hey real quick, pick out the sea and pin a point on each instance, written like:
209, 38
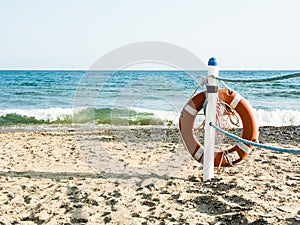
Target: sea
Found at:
135, 98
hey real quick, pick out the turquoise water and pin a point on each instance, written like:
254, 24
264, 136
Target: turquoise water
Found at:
132, 97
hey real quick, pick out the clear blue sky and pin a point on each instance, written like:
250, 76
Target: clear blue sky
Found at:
70, 34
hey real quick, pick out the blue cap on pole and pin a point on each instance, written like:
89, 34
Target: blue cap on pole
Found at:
212, 62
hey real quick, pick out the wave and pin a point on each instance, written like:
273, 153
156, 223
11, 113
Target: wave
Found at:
130, 116
69, 116
36, 116
277, 117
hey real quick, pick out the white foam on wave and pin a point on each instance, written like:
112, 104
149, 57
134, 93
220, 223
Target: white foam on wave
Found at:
163, 115
50, 114
277, 117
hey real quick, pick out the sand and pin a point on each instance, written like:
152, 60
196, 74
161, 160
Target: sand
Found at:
142, 176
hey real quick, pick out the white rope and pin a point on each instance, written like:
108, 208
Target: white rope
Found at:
225, 85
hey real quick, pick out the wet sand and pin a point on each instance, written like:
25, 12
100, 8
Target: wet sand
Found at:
142, 176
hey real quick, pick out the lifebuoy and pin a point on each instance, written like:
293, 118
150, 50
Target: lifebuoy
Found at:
236, 102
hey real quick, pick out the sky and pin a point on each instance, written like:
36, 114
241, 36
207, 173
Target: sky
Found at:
71, 34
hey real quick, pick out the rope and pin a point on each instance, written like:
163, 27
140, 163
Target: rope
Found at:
201, 84
203, 80
289, 150
225, 85
283, 77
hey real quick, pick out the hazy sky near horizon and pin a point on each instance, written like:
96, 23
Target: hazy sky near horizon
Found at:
73, 34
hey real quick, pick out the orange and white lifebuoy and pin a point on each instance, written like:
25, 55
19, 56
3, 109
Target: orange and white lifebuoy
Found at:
236, 102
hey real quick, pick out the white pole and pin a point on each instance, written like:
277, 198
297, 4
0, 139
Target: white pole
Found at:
209, 136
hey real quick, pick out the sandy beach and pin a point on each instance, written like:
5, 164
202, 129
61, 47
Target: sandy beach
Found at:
142, 176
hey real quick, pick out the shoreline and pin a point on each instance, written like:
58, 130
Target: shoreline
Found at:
142, 176
267, 134
89, 126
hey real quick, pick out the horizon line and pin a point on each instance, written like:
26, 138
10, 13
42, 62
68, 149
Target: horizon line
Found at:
146, 69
